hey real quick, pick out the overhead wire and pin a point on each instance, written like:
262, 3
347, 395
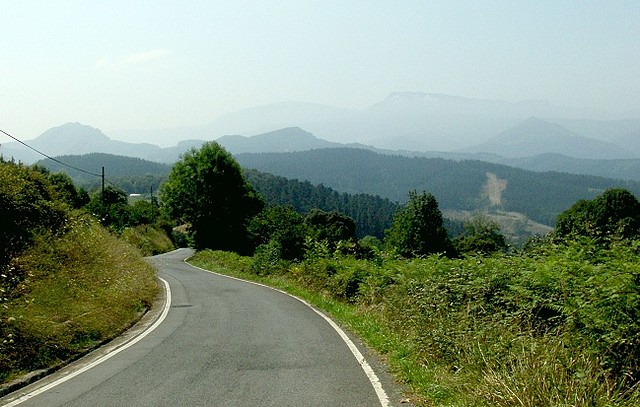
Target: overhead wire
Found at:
57, 160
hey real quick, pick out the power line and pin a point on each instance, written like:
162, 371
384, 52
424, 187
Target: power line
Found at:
63, 163
52, 158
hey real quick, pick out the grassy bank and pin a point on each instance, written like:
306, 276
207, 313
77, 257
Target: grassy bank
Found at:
150, 240
67, 292
555, 326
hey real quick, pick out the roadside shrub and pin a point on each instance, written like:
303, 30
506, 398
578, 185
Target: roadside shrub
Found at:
267, 259
26, 206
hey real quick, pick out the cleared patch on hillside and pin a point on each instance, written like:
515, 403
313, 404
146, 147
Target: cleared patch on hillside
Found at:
493, 189
516, 227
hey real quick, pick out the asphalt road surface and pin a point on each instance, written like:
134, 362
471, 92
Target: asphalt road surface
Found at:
220, 342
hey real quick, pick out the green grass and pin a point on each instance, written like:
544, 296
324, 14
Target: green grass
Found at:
555, 326
148, 239
76, 289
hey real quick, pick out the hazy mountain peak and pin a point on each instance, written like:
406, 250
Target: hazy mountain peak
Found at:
287, 132
534, 136
72, 132
285, 139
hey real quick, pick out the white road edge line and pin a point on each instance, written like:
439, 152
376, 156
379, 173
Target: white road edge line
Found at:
109, 355
368, 370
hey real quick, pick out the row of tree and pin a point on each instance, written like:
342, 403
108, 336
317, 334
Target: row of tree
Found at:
372, 214
208, 191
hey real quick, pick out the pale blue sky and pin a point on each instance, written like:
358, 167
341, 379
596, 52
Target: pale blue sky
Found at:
154, 64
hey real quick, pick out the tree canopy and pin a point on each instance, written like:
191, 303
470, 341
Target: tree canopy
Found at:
481, 236
207, 190
614, 213
418, 228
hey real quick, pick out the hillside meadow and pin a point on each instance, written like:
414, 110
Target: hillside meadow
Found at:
555, 325
66, 283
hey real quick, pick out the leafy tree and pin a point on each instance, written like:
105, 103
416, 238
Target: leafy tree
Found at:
418, 229
207, 190
283, 228
65, 189
143, 212
481, 235
111, 207
331, 226
27, 203
614, 213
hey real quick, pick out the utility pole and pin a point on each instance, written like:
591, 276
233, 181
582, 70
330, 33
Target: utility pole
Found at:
103, 183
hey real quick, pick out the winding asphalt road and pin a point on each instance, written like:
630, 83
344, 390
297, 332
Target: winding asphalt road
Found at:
221, 342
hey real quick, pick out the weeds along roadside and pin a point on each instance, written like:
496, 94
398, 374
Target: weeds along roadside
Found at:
555, 326
70, 291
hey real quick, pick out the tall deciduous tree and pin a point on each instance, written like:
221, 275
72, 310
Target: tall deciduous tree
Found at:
418, 228
614, 213
207, 190
282, 227
481, 235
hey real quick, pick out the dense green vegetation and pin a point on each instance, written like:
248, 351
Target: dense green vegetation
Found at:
542, 196
552, 323
66, 283
206, 189
371, 214
130, 174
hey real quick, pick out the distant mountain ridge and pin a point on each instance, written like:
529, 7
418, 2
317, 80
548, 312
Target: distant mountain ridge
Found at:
535, 136
413, 121
76, 138
283, 140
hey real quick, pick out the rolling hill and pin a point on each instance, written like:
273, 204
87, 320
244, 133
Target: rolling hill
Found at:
460, 185
372, 214
535, 136
367, 185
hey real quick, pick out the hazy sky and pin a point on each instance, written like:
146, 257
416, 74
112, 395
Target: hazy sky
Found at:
152, 64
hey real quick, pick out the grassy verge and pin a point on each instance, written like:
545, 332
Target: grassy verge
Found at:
74, 289
148, 239
557, 326
367, 324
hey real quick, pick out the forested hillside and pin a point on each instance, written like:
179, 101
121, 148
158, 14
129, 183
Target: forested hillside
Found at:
372, 214
132, 175
464, 185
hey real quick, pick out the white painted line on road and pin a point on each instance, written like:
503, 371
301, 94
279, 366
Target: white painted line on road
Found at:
109, 355
368, 370
373, 378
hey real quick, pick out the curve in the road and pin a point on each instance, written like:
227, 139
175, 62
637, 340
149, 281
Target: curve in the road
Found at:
218, 342
368, 370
